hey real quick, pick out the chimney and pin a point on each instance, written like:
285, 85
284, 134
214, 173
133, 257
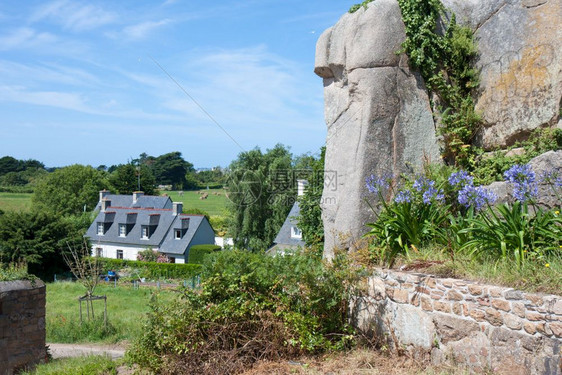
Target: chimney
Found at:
301, 187
137, 195
178, 207
103, 193
105, 204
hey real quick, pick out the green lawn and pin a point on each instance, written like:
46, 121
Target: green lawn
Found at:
126, 310
15, 201
214, 205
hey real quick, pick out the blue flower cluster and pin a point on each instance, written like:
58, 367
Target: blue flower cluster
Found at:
376, 184
429, 191
403, 196
522, 179
476, 197
470, 195
551, 178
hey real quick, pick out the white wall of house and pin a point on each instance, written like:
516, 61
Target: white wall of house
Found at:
109, 250
130, 252
222, 241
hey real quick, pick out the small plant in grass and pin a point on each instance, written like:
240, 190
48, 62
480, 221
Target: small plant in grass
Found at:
15, 271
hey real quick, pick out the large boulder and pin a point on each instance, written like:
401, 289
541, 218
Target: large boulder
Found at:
520, 62
378, 112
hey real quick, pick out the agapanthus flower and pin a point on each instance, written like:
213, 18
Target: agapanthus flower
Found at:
551, 178
432, 194
403, 196
523, 180
428, 190
460, 179
376, 184
476, 197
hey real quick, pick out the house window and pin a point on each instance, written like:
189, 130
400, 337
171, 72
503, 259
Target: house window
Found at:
100, 229
144, 232
99, 252
119, 254
177, 235
172, 259
122, 230
296, 232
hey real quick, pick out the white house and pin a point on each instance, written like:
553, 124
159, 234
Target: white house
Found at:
127, 224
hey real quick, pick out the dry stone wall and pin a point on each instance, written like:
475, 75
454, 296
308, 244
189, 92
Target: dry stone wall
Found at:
22, 325
483, 327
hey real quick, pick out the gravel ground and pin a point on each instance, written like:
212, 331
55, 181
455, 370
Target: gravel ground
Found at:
75, 350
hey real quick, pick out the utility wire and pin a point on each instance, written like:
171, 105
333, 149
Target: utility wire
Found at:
195, 101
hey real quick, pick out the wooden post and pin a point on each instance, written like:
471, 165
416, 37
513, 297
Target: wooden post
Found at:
80, 301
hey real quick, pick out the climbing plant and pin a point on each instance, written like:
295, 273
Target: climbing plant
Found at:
443, 53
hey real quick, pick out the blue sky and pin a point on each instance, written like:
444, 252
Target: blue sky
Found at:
80, 81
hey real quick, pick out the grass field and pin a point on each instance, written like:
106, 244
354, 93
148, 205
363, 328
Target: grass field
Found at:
15, 201
126, 309
214, 205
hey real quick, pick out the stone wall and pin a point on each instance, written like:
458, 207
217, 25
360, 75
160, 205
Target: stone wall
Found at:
22, 325
448, 320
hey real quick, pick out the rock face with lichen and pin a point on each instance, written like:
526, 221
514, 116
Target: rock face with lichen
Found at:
378, 112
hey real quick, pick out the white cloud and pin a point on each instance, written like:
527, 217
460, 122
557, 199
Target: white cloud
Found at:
73, 16
33, 74
72, 101
25, 37
140, 30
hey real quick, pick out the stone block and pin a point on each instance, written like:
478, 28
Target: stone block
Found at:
452, 328
513, 322
457, 308
535, 299
534, 316
501, 304
518, 308
544, 329
426, 303
442, 306
453, 295
448, 283
400, 296
415, 300
420, 289
495, 292
475, 290
556, 328
477, 315
430, 282
530, 328
494, 317
556, 307
513, 294
436, 294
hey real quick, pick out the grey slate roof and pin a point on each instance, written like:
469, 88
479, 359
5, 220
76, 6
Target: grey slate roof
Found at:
284, 235
162, 237
144, 201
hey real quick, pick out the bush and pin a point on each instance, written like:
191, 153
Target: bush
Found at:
153, 270
250, 307
197, 253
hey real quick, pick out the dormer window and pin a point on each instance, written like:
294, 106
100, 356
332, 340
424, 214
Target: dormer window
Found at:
122, 230
177, 234
101, 229
144, 232
296, 232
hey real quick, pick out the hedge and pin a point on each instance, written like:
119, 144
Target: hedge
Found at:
198, 252
153, 270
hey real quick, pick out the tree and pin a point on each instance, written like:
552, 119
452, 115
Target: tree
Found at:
67, 191
310, 218
9, 164
170, 169
125, 179
261, 193
39, 239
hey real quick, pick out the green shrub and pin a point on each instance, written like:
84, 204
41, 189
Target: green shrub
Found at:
250, 306
197, 253
153, 270
12, 272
